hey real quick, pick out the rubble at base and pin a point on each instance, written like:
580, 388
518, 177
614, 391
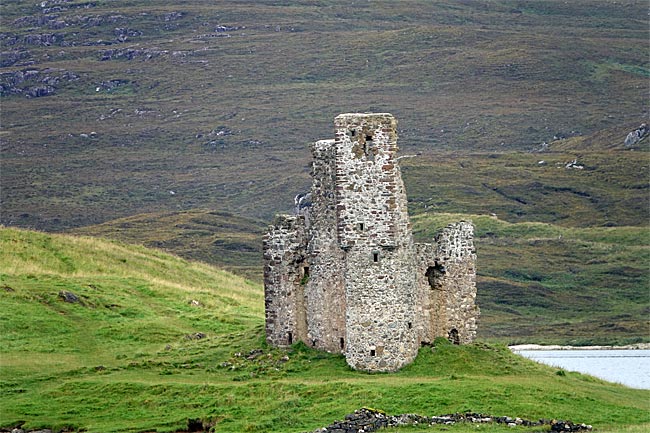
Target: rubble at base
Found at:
367, 420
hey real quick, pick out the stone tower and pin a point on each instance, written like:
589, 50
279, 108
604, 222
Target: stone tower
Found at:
344, 275
374, 233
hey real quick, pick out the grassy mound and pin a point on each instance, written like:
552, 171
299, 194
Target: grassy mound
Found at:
104, 336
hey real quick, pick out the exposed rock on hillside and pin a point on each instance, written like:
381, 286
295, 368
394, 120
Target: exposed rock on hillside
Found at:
34, 83
9, 58
56, 22
637, 135
130, 54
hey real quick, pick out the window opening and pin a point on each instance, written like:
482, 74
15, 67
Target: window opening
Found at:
342, 342
454, 337
410, 325
375, 257
369, 149
290, 338
372, 352
305, 275
434, 273
361, 226
353, 132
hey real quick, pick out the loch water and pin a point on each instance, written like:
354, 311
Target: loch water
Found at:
628, 367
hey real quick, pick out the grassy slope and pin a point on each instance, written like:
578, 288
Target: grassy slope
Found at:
610, 190
231, 242
120, 361
495, 76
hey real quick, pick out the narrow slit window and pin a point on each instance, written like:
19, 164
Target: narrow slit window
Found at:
290, 337
361, 227
342, 342
375, 257
410, 325
372, 352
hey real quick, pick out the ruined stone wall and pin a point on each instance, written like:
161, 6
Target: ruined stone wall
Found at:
373, 231
428, 308
325, 290
285, 253
447, 284
344, 275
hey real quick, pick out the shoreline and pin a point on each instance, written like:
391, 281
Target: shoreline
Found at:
522, 347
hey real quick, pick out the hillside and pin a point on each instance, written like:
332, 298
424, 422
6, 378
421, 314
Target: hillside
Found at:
537, 282
231, 242
103, 336
116, 108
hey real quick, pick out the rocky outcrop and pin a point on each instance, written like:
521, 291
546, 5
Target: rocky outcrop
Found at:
34, 83
130, 54
9, 58
637, 135
69, 297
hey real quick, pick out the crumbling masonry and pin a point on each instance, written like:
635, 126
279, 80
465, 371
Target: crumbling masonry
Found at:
344, 275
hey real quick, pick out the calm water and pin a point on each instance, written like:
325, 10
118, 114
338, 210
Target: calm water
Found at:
629, 367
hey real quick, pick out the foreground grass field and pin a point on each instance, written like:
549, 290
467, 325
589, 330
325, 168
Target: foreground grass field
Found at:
103, 336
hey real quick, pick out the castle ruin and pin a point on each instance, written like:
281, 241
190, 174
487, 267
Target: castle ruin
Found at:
343, 273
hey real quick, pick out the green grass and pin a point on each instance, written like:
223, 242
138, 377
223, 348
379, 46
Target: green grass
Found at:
231, 242
477, 87
123, 359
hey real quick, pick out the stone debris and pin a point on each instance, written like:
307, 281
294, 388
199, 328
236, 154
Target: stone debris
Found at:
637, 135
568, 426
69, 297
367, 420
574, 165
195, 336
112, 85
